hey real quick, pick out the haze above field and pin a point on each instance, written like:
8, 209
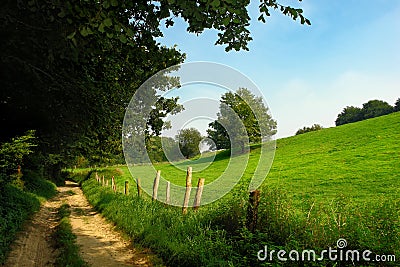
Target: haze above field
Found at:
308, 74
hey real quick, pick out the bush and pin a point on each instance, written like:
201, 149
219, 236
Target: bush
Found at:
37, 185
315, 127
12, 154
15, 207
371, 109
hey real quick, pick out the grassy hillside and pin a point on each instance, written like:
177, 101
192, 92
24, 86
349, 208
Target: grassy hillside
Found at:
336, 183
359, 160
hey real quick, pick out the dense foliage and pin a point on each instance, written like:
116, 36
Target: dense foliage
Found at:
371, 109
69, 68
314, 127
397, 105
243, 118
12, 155
163, 149
189, 141
17, 205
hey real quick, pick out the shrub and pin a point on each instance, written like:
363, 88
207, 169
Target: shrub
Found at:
315, 127
15, 207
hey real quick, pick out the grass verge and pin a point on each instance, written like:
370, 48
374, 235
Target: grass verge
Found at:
17, 205
216, 234
65, 241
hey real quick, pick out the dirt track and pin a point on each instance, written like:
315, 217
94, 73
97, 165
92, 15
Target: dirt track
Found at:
100, 244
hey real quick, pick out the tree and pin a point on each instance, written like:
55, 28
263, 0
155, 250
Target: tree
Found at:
243, 118
189, 140
348, 115
12, 155
397, 105
72, 91
69, 68
315, 127
160, 149
376, 108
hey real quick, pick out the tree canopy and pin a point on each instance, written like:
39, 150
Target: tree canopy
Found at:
371, 109
243, 118
189, 142
69, 68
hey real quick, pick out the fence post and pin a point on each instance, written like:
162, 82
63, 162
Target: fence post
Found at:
155, 185
188, 188
199, 192
167, 195
139, 189
126, 190
252, 210
113, 184
97, 177
106, 182
102, 183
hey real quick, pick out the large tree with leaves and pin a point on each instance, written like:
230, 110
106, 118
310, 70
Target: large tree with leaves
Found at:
189, 142
69, 68
376, 108
243, 118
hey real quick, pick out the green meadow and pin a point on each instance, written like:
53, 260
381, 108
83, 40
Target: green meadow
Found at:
340, 182
360, 161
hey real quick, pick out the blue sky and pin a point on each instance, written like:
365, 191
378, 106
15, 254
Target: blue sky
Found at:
308, 74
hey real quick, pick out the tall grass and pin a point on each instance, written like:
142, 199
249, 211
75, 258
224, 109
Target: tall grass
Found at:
17, 205
334, 183
216, 234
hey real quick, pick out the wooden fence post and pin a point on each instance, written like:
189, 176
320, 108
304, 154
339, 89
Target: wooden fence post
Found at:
97, 177
126, 190
102, 183
188, 188
167, 195
252, 210
106, 182
114, 185
155, 185
199, 192
139, 189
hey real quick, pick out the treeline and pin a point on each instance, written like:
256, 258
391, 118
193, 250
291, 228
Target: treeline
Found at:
70, 68
371, 109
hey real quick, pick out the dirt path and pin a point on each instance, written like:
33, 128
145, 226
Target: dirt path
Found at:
100, 244
33, 246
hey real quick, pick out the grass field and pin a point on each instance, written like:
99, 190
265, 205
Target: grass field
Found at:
340, 182
360, 161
